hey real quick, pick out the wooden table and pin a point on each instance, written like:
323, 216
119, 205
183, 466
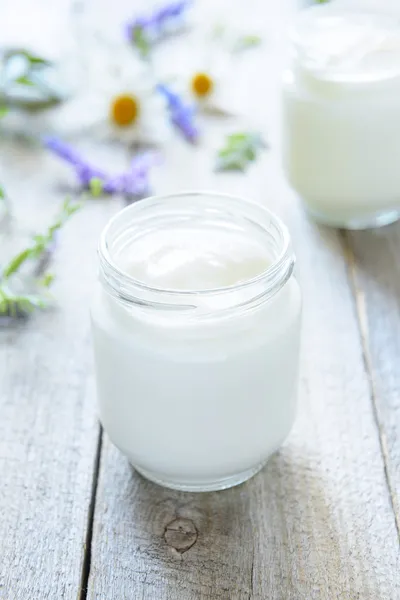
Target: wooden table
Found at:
322, 520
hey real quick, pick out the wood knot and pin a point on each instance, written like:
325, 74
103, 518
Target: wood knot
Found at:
181, 534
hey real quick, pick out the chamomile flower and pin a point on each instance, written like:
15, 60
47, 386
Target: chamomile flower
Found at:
134, 113
120, 102
208, 87
202, 85
204, 81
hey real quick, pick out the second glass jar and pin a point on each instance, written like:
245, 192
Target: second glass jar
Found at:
341, 115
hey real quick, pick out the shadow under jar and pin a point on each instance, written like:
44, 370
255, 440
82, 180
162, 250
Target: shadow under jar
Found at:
196, 329
341, 113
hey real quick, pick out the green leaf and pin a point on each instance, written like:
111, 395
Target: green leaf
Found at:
239, 151
250, 154
2, 194
15, 263
33, 59
218, 31
3, 110
30, 81
141, 42
96, 187
24, 80
20, 305
245, 42
46, 280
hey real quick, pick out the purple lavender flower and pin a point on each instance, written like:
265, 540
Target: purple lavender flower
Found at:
132, 183
84, 171
145, 30
181, 114
135, 182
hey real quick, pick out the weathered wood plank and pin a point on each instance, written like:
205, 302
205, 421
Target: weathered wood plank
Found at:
48, 430
375, 268
317, 523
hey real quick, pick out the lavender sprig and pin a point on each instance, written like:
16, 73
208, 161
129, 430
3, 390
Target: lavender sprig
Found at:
41, 244
133, 183
143, 31
15, 304
182, 115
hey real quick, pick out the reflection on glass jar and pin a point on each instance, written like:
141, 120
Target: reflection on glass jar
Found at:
196, 327
341, 115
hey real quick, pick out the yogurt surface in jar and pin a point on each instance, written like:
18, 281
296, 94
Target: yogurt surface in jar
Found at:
196, 327
192, 258
341, 114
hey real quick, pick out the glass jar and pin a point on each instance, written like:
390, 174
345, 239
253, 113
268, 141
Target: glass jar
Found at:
196, 387
341, 114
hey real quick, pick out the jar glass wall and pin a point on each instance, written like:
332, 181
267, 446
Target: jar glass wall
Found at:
197, 383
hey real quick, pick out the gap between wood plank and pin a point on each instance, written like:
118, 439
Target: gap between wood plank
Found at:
76, 9
87, 558
359, 301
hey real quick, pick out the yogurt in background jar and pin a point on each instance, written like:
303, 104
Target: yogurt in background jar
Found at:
341, 113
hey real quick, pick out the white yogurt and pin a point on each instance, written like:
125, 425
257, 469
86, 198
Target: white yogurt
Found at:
341, 115
194, 258
196, 335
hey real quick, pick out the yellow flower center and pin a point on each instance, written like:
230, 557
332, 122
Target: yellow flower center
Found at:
202, 85
124, 110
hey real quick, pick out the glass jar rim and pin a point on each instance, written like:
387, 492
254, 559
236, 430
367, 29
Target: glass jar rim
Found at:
127, 286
